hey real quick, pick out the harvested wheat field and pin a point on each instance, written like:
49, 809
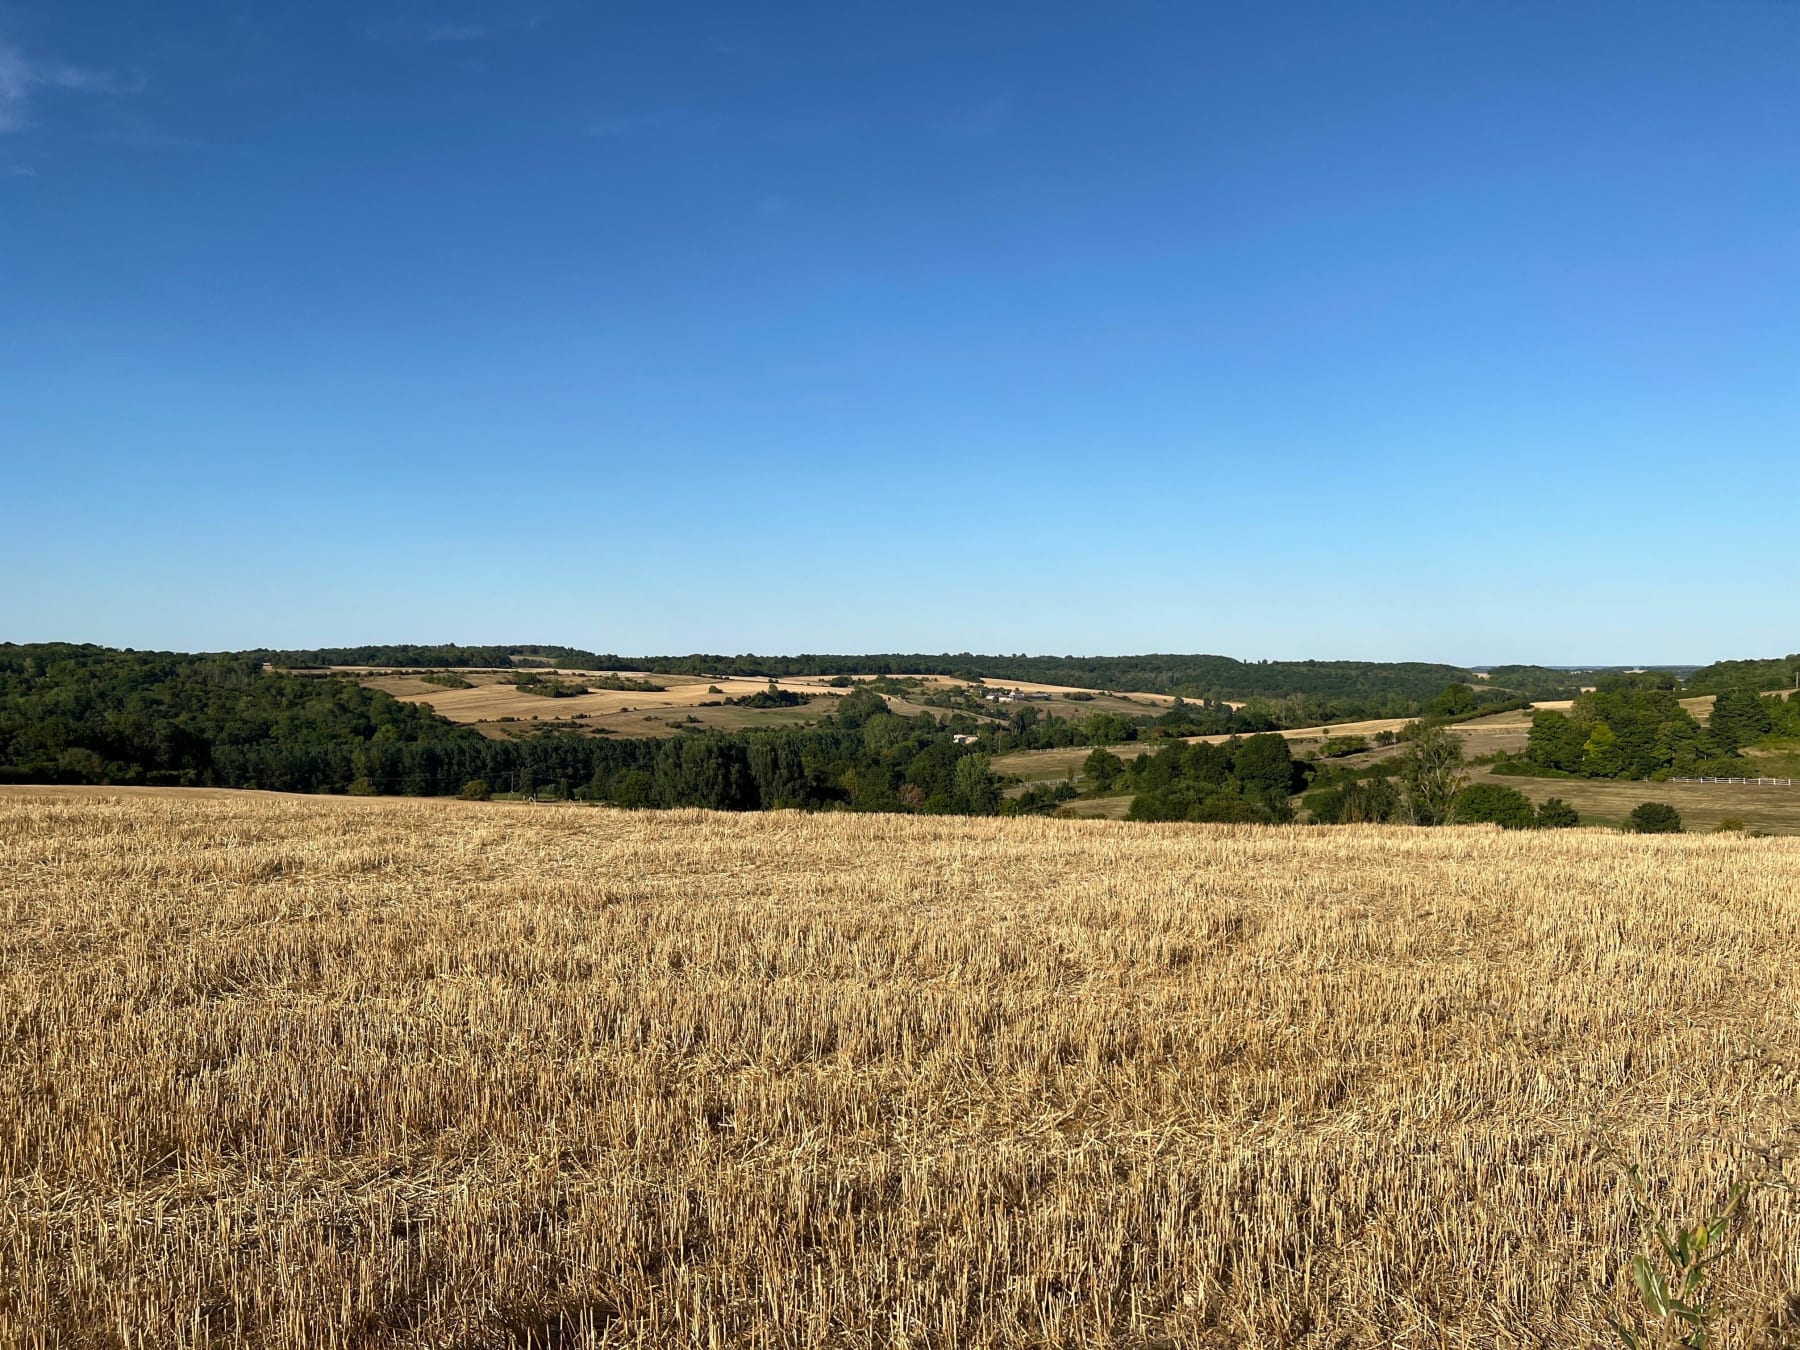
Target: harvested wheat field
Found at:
292, 1072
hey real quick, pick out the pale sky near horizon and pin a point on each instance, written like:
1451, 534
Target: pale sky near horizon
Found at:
1452, 330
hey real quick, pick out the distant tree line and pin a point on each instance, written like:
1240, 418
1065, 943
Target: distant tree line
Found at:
547, 686
446, 655
1337, 690
1342, 689
1781, 672
772, 697
1357, 688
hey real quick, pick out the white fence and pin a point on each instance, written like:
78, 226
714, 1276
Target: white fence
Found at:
1753, 782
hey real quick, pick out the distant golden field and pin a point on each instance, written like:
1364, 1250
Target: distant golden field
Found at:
497, 707
494, 704
306, 1073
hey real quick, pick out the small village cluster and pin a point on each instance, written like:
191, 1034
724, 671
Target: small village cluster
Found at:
1015, 696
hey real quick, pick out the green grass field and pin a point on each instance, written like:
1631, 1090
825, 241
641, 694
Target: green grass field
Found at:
1605, 801
1052, 766
1096, 808
1775, 758
728, 719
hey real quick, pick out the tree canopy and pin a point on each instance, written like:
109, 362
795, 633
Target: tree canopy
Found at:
1242, 780
1625, 729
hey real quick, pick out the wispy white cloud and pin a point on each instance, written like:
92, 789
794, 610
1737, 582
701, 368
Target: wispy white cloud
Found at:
614, 128
688, 126
497, 23
127, 128
22, 78
985, 119
15, 88
456, 32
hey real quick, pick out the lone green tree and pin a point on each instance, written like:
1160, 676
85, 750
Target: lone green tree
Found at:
1432, 773
1491, 803
976, 790
1654, 818
1264, 766
1456, 700
1556, 814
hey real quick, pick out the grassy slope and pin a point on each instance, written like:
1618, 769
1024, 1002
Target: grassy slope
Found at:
1774, 810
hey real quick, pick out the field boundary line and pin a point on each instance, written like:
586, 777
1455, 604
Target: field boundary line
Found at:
1752, 782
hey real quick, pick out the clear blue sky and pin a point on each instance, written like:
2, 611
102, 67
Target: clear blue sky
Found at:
1459, 329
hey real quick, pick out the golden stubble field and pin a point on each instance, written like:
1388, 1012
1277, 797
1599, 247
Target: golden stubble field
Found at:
295, 1072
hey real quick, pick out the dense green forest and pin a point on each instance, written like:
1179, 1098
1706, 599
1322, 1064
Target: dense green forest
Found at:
1633, 726
1241, 780
73, 714
88, 714
445, 655
1780, 672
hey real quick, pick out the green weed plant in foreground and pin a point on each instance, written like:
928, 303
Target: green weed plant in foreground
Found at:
1676, 1278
